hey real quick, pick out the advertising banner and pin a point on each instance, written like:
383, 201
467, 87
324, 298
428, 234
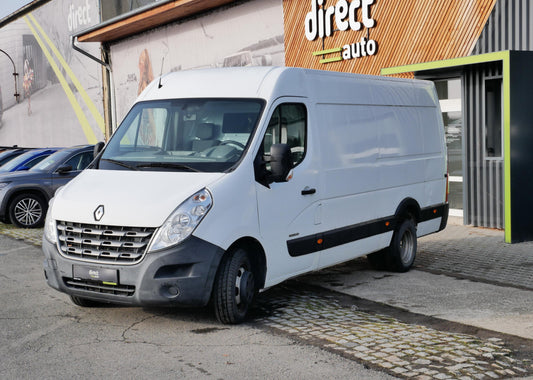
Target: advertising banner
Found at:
60, 102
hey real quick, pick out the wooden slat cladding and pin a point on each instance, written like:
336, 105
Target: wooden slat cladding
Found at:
406, 32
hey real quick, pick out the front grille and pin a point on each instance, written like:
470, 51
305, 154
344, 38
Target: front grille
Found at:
96, 287
103, 244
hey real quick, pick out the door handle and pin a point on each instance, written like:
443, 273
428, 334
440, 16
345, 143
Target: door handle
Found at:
308, 191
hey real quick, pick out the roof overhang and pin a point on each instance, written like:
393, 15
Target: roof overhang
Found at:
146, 18
22, 11
447, 64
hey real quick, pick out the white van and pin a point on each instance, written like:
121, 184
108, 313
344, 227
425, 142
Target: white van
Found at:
222, 182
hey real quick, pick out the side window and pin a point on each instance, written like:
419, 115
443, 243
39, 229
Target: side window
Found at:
288, 125
35, 161
80, 161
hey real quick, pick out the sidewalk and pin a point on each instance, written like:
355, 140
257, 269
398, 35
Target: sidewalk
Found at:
476, 253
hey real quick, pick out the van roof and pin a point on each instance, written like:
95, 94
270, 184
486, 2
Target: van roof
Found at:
268, 82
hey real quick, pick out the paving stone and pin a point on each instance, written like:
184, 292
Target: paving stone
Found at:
423, 377
399, 370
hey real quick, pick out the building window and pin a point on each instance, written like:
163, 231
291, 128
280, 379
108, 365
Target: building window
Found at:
493, 118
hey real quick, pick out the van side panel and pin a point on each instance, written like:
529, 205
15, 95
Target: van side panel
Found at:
382, 143
349, 142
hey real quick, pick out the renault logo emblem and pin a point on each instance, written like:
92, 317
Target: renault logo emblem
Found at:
99, 213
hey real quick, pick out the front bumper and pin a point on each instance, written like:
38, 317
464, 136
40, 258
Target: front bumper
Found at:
179, 276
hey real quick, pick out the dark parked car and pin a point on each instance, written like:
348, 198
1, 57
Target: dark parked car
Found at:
26, 160
9, 154
24, 195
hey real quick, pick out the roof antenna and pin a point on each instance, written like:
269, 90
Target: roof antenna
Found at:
161, 73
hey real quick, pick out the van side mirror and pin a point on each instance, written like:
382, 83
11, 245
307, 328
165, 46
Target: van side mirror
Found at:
280, 162
98, 147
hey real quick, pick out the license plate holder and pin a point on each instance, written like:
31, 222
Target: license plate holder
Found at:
91, 273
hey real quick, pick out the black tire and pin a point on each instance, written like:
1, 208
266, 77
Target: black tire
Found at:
402, 250
84, 302
27, 210
234, 288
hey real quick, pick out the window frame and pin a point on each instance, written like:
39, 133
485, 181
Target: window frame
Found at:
306, 128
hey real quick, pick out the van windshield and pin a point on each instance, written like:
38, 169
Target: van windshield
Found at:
206, 135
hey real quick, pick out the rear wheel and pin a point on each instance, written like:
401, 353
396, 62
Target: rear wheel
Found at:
234, 288
27, 210
402, 251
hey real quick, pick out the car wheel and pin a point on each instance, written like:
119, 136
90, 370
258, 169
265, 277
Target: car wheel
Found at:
402, 251
27, 210
234, 288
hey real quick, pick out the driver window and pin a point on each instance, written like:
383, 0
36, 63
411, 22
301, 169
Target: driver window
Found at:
288, 125
80, 161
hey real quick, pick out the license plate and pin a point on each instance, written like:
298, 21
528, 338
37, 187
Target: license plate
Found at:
103, 275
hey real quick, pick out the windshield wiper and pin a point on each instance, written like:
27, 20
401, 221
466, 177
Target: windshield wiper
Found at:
120, 163
169, 165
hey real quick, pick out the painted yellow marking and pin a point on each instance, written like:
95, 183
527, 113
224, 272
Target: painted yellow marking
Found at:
89, 134
92, 108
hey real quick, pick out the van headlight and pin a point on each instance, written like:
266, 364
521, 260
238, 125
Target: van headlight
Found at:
50, 231
183, 221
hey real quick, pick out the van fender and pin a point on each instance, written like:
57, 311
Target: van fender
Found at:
256, 254
408, 208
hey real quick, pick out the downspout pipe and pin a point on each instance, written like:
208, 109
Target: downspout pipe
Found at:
74, 41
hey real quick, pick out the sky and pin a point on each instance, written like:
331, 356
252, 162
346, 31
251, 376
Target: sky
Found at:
9, 6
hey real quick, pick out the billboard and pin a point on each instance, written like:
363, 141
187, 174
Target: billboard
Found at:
61, 100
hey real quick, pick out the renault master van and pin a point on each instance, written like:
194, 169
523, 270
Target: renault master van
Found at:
220, 183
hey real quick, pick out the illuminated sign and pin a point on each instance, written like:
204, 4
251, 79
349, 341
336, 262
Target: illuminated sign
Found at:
322, 22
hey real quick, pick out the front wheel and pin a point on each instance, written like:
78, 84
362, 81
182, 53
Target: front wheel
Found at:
402, 251
234, 288
27, 210
84, 302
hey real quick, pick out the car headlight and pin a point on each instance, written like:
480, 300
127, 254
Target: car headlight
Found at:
50, 231
183, 221
3, 184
